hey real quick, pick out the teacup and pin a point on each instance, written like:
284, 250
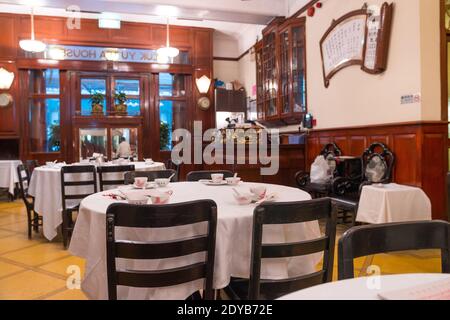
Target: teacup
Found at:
217, 177
140, 182
161, 197
259, 192
243, 198
162, 182
233, 181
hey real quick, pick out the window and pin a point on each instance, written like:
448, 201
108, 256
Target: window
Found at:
109, 87
44, 111
131, 88
88, 87
172, 107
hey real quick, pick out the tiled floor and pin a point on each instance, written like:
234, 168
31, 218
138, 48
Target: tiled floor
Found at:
36, 269
32, 269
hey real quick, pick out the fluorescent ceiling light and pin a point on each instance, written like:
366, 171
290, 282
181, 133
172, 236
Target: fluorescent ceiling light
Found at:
167, 11
109, 20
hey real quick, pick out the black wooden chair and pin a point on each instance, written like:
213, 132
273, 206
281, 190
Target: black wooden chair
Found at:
74, 197
151, 175
151, 216
383, 238
174, 165
282, 214
317, 190
31, 165
34, 220
377, 165
104, 171
206, 175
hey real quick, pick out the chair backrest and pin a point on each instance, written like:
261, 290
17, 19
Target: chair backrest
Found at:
151, 175
31, 165
69, 179
378, 163
383, 238
200, 175
153, 216
174, 165
331, 149
104, 171
289, 213
24, 182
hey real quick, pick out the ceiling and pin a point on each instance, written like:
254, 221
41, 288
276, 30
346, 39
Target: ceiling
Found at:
234, 20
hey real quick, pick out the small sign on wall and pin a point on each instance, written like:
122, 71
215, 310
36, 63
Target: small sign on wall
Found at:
411, 98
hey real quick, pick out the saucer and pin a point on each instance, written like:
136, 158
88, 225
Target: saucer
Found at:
149, 185
211, 183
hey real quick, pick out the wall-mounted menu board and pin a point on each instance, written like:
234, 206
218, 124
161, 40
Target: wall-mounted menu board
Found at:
358, 38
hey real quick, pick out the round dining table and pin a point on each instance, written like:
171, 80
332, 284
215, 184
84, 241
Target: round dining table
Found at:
45, 187
365, 288
233, 242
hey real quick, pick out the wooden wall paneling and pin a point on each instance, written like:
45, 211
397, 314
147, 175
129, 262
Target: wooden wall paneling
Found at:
420, 149
8, 39
405, 148
131, 33
342, 143
357, 145
9, 114
434, 171
89, 32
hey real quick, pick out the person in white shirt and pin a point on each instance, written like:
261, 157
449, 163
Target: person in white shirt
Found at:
124, 149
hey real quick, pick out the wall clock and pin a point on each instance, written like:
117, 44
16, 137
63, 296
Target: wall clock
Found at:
5, 99
204, 103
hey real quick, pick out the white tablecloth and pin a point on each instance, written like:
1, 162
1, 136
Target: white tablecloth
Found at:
393, 203
8, 174
365, 288
234, 232
45, 187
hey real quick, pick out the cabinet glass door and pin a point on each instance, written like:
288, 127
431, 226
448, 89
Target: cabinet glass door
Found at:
298, 69
270, 75
285, 73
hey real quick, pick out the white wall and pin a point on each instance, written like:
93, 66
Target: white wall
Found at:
355, 98
247, 73
226, 71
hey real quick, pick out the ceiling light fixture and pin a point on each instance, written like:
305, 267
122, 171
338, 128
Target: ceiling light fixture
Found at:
168, 51
32, 45
6, 79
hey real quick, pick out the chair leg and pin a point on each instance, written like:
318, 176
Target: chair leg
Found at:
30, 223
65, 228
36, 222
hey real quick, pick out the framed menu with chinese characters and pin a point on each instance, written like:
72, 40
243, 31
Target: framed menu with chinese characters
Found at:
343, 44
378, 37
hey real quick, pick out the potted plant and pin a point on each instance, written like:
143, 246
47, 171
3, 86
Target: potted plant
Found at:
120, 106
97, 99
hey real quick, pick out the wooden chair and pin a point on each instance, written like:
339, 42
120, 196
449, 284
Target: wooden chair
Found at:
282, 214
383, 238
346, 192
69, 209
174, 165
151, 175
151, 216
317, 190
103, 171
31, 165
201, 175
34, 220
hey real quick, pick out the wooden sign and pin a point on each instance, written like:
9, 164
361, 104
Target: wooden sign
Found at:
378, 39
357, 38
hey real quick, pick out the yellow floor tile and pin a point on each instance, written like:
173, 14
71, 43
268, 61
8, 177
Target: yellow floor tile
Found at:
7, 269
38, 255
28, 285
6, 233
15, 242
60, 266
68, 295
